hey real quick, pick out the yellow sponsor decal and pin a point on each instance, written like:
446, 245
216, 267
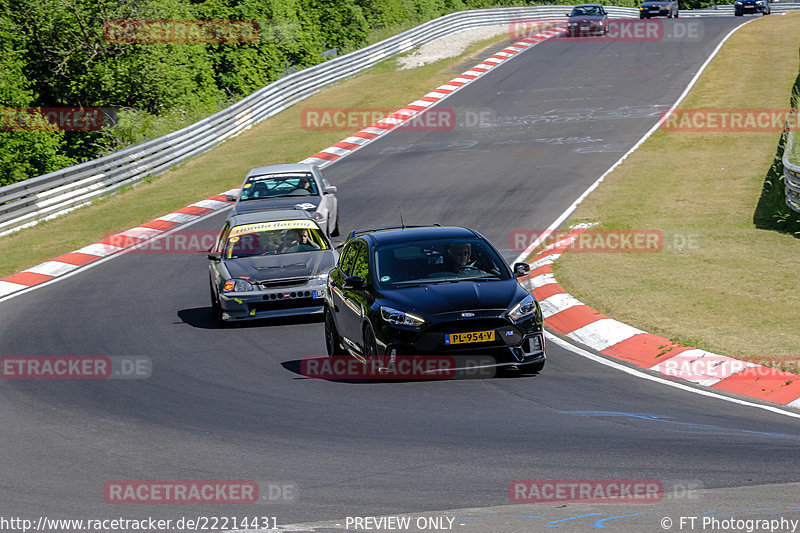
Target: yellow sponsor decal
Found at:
271, 226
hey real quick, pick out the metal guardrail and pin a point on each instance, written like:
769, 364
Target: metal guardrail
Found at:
45, 197
791, 174
31, 201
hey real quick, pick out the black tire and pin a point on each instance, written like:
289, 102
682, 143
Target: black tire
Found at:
333, 343
737, 14
768, 11
677, 14
215, 307
335, 232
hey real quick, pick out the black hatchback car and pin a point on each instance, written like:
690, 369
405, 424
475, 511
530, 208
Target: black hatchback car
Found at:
431, 290
740, 7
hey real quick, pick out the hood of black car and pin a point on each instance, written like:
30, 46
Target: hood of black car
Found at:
439, 298
309, 203
269, 267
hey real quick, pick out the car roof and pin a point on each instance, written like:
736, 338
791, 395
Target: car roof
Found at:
268, 215
589, 5
276, 169
395, 236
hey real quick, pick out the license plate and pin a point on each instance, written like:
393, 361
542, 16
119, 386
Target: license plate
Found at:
472, 336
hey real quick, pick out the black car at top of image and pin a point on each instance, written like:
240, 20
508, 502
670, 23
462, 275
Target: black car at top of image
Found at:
431, 290
269, 264
659, 8
740, 7
587, 20
288, 186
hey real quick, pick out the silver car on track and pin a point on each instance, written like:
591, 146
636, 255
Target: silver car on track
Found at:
290, 186
269, 264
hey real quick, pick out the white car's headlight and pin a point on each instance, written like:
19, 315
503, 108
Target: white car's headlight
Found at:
237, 285
523, 309
400, 318
318, 216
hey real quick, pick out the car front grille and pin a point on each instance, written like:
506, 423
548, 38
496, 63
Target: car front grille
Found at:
286, 282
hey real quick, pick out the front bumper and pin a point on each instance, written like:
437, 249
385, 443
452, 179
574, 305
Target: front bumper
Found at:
585, 30
286, 301
514, 344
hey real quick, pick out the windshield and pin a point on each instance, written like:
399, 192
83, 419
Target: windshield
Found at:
284, 184
586, 11
274, 238
438, 261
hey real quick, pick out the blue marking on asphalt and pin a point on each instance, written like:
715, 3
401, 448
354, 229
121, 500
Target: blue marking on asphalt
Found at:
668, 420
601, 524
552, 524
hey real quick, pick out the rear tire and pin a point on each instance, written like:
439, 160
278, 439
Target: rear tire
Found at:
333, 343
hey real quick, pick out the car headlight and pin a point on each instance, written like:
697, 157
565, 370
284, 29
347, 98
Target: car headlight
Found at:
320, 279
238, 285
318, 216
400, 318
523, 309
738, 3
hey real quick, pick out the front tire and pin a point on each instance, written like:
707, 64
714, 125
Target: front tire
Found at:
335, 232
216, 308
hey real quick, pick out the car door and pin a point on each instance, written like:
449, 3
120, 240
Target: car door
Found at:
359, 300
341, 311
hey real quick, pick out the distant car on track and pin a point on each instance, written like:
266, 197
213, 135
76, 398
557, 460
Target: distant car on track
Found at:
431, 291
269, 264
740, 7
587, 20
659, 8
290, 186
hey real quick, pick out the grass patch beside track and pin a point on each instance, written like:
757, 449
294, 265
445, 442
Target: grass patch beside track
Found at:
280, 139
735, 290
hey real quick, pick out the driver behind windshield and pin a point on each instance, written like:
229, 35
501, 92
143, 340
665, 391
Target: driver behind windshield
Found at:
458, 256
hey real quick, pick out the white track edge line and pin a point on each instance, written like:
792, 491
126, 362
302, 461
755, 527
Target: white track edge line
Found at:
546, 233
639, 373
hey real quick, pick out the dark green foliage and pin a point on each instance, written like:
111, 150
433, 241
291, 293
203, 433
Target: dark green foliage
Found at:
54, 54
772, 212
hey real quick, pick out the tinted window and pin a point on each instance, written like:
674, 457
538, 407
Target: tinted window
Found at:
275, 185
348, 256
274, 238
440, 260
361, 263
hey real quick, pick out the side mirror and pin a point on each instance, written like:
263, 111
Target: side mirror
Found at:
233, 196
521, 269
354, 283
330, 189
215, 256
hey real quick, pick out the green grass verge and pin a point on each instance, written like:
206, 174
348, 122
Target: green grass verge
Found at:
280, 139
735, 289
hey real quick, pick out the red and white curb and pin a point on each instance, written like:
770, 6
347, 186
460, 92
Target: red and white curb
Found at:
569, 317
131, 238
